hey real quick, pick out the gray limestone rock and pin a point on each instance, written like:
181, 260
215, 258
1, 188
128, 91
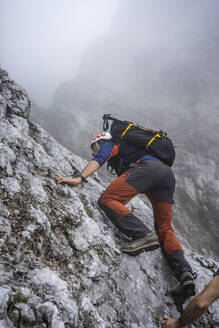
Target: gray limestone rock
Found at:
36, 189
5, 228
60, 261
40, 219
7, 155
11, 185
50, 314
6, 323
26, 314
5, 294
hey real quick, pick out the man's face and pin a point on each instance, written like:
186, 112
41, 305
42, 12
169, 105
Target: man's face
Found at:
95, 149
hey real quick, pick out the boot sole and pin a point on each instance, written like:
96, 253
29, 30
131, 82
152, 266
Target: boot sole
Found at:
145, 248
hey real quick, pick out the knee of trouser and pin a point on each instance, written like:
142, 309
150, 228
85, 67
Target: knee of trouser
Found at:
102, 201
105, 198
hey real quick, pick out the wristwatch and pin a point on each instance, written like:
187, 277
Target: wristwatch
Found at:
82, 178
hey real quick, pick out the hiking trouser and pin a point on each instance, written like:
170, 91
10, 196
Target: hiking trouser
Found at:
157, 182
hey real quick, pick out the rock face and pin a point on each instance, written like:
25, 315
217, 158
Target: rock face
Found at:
60, 262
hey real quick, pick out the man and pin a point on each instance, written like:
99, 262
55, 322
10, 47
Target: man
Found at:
139, 172
197, 306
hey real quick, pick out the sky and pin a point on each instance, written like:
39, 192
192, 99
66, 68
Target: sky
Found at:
42, 41
159, 54
169, 48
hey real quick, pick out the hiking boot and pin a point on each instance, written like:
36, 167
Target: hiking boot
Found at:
123, 236
187, 284
137, 246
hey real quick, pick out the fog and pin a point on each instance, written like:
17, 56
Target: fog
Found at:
160, 54
42, 41
164, 51
152, 62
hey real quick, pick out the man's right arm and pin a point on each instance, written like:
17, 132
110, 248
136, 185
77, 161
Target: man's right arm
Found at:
196, 307
91, 168
201, 302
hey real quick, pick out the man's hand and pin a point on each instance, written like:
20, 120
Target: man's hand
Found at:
61, 179
72, 182
170, 322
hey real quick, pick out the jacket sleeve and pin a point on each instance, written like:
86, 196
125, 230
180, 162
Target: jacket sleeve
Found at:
104, 153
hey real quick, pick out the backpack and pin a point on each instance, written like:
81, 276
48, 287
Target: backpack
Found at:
126, 155
137, 141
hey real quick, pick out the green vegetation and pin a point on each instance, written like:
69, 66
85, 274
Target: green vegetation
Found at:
88, 211
19, 298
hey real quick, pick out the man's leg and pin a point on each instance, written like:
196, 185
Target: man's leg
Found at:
112, 203
171, 246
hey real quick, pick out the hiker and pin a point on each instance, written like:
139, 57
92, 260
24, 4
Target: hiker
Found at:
139, 172
197, 306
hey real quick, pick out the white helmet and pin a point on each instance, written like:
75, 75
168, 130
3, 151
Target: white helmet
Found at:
101, 136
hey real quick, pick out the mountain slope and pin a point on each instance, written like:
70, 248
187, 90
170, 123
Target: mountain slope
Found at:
60, 261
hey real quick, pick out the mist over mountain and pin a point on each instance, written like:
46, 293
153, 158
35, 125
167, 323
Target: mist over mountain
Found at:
161, 54
158, 66
42, 41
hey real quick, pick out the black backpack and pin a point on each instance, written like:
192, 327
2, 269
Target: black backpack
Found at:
140, 140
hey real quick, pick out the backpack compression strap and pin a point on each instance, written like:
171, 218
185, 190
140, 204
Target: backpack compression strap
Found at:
124, 132
150, 142
160, 134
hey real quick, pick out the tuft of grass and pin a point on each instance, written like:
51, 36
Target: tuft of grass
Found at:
88, 211
19, 298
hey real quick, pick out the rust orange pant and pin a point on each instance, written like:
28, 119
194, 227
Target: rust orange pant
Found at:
157, 182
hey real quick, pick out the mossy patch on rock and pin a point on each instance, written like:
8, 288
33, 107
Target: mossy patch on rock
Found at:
88, 211
18, 298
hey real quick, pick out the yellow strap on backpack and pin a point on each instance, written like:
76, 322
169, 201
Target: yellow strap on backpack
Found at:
124, 132
154, 137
